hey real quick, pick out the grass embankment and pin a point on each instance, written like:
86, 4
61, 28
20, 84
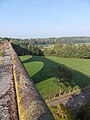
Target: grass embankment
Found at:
41, 70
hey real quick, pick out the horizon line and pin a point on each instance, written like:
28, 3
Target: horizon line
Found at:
43, 37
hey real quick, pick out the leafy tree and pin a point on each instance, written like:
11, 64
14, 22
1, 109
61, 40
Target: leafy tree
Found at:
25, 48
69, 50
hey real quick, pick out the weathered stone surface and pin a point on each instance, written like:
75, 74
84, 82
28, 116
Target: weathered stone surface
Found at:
7, 94
31, 105
14, 81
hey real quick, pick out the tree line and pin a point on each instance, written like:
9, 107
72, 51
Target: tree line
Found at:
26, 48
69, 50
52, 40
59, 50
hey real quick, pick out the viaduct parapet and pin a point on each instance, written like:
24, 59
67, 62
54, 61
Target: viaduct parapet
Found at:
19, 97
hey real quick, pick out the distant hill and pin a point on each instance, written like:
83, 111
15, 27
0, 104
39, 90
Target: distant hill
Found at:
52, 40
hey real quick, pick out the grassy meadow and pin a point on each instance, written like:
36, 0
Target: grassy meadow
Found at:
41, 69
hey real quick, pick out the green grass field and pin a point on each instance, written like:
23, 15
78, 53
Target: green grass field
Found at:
41, 70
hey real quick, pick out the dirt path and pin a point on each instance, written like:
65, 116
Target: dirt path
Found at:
7, 95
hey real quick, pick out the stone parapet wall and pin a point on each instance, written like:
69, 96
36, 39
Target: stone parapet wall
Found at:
31, 105
8, 106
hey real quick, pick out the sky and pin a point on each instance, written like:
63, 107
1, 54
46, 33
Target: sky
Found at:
44, 18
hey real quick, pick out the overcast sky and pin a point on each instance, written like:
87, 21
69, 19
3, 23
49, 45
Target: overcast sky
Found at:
44, 18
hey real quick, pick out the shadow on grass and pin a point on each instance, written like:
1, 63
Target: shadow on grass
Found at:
46, 72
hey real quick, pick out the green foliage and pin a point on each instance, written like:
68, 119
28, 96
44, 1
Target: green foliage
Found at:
48, 52
70, 50
25, 48
34, 49
52, 40
60, 112
66, 48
